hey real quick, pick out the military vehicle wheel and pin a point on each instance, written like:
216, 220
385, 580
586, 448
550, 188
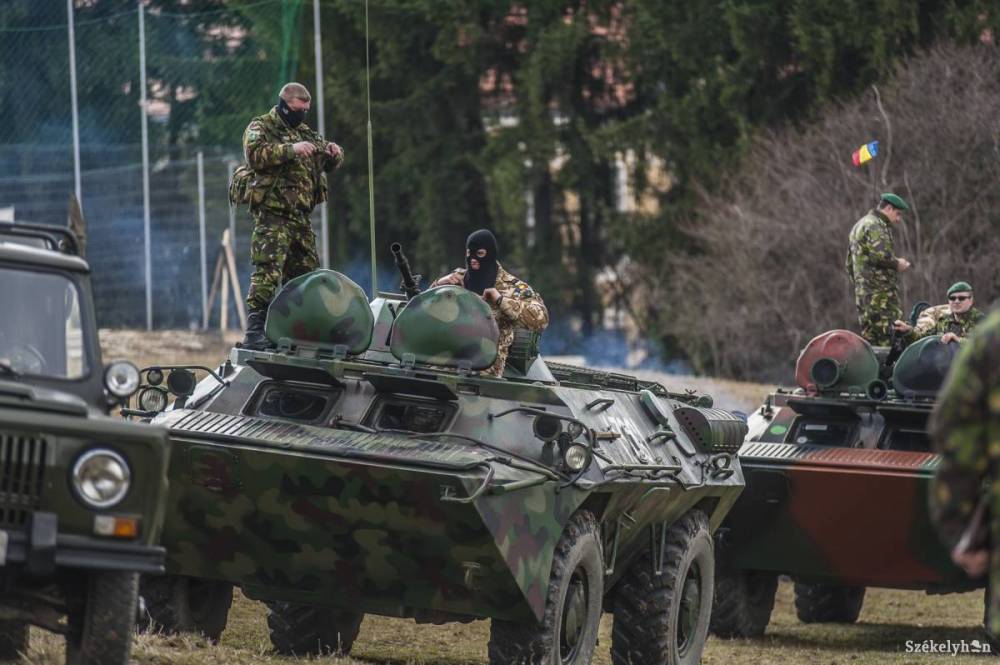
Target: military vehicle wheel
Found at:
13, 639
823, 603
303, 630
743, 604
567, 634
663, 619
99, 632
176, 604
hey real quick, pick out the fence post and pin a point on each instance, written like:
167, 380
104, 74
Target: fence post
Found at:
321, 126
201, 239
73, 104
145, 168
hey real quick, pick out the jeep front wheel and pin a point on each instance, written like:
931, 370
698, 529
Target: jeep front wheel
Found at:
176, 604
567, 634
99, 632
309, 630
825, 603
662, 619
744, 600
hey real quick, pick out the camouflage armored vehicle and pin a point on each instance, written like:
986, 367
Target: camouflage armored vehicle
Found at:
81, 494
837, 475
367, 465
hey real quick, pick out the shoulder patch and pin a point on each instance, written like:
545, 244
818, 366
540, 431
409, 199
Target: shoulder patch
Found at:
522, 290
252, 134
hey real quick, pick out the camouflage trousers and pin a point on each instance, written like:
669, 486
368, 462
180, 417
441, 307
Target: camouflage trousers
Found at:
877, 310
281, 249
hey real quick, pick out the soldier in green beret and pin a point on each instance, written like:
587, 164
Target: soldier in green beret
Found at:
874, 269
289, 163
952, 321
966, 429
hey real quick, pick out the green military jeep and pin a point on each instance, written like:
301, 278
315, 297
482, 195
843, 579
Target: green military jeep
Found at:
81, 494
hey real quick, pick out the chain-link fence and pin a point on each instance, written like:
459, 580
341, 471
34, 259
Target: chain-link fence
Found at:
209, 67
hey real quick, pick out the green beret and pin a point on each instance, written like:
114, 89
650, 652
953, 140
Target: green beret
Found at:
959, 287
895, 201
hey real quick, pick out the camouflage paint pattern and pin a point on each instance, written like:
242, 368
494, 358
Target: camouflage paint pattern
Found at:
281, 249
322, 308
838, 483
966, 430
521, 306
872, 268
851, 353
446, 326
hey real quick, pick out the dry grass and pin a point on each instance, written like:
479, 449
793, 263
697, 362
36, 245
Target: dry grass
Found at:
889, 619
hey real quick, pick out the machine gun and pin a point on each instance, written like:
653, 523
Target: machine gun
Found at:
411, 282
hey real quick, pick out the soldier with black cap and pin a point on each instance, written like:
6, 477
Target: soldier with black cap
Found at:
513, 302
874, 269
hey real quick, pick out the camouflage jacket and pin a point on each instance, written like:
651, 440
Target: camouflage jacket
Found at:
520, 306
870, 263
966, 430
284, 183
938, 320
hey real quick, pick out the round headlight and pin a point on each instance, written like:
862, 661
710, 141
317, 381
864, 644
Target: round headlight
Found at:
576, 457
154, 377
153, 399
574, 428
121, 378
101, 477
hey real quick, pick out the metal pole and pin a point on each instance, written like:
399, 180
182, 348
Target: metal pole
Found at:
145, 168
73, 104
324, 227
201, 240
232, 209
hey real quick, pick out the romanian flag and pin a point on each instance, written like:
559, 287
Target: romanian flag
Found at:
865, 153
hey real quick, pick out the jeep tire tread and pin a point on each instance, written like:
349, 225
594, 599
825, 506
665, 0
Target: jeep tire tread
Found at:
309, 630
744, 600
99, 632
176, 604
824, 603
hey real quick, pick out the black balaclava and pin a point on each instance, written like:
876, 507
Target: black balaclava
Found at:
478, 281
292, 118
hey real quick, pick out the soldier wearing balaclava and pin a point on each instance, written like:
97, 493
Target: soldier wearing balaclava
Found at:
514, 302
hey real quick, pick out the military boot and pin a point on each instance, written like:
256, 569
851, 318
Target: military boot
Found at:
254, 339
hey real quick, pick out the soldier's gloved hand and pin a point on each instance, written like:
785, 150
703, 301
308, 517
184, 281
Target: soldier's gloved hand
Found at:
901, 326
304, 148
902, 265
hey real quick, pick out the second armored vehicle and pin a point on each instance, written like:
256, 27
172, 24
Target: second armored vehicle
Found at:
837, 472
367, 465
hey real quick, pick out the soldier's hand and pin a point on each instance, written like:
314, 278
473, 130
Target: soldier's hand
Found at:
973, 563
491, 296
950, 337
450, 279
333, 149
901, 326
902, 265
304, 148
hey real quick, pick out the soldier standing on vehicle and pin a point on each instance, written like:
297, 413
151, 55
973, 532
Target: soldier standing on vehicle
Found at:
874, 269
289, 162
513, 302
952, 321
966, 430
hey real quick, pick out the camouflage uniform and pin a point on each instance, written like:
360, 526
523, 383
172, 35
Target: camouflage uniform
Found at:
872, 268
286, 188
938, 320
520, 306
966, 430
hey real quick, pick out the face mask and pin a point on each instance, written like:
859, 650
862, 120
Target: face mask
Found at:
485, 277
292, 118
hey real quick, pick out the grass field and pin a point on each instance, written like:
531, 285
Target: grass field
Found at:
890, 619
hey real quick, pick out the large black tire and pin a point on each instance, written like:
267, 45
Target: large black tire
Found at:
176, 604
744, 600
308, 630
663, 619
13, 639
824, 603
99, 632
567, 634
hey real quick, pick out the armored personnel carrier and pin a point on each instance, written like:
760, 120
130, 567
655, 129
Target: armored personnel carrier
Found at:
367, 465
837, 474
81, 493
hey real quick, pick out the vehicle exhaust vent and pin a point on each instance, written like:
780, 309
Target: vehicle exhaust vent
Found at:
22, 475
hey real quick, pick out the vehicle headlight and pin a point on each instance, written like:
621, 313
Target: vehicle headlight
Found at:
152, 399
576, 457
121, 378
101, 477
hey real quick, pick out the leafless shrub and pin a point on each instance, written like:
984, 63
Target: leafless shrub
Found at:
774, 236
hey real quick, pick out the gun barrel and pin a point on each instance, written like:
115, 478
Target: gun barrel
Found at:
410, 287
